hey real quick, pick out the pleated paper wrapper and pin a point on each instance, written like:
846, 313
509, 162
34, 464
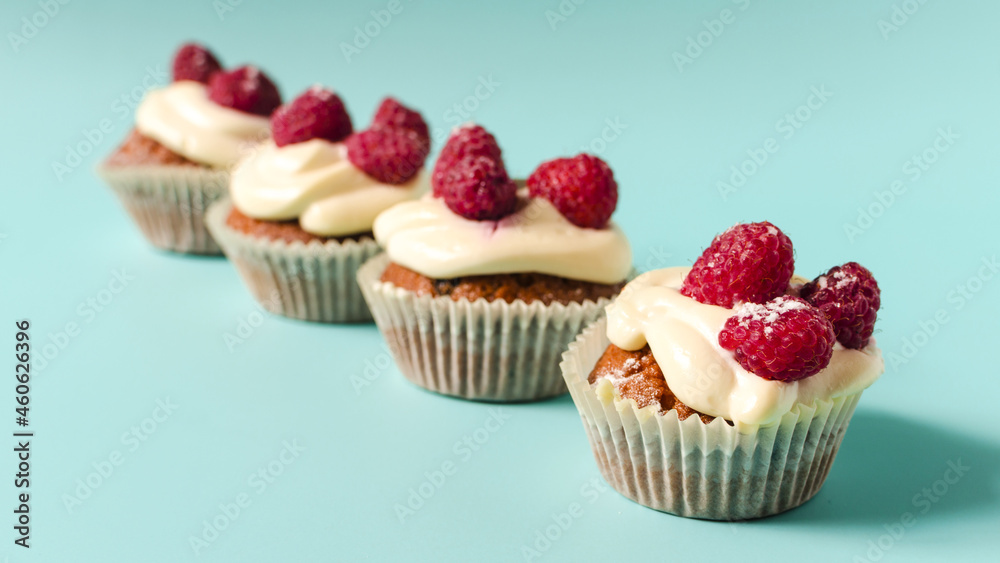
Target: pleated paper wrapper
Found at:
698, 470
478, 350
168, 203
312, 282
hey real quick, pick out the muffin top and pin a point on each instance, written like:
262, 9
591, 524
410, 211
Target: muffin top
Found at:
478, 221
738, 336
333, 180
208, 115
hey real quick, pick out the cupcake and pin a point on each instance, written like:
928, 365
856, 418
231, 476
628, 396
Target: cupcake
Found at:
187, 136
299, 220
723, 391
485, 281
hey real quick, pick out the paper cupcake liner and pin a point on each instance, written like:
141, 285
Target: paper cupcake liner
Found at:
168, 203
479, 350
698, 470
312, 282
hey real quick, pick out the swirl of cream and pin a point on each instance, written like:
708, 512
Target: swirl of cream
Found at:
427, 237
182, 118
314, 182
683, 335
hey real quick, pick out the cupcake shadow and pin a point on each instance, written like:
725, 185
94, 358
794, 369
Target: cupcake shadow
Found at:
889, 466
187, 256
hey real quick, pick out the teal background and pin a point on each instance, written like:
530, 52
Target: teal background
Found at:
555, 86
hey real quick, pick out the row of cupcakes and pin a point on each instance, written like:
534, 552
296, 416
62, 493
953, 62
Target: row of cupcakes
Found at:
484, 280
717, 391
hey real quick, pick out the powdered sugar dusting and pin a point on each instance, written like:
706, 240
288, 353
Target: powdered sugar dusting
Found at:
843, 278
769, 312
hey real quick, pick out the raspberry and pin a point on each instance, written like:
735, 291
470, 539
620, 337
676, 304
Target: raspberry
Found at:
478, 188
195, 62
849, 296
467, 140
317, 114
394, 114
582, 188
391, 155
751, 262
245, 89
785, 339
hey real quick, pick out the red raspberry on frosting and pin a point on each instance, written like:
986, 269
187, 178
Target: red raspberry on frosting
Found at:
582, 188
245, 89
750, 262
194, 62
391, 155
391, 113
317, 114
465, 141
849, 296
478, 188
785, 339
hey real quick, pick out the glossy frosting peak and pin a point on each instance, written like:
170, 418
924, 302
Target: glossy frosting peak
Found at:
182, 118
314, 182
427, 237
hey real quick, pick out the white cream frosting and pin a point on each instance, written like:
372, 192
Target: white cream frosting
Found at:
427, 237
182, 118
683, 336
314, 182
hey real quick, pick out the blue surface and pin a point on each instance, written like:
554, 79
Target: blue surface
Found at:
686, 123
